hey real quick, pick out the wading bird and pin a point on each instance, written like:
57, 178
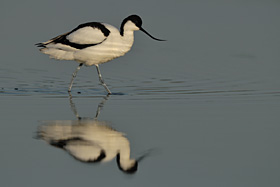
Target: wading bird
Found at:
94, 43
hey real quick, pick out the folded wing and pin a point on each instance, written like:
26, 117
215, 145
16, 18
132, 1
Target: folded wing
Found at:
83, 36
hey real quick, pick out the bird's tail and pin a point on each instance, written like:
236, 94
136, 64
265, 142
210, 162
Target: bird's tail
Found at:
41, 45
53, 40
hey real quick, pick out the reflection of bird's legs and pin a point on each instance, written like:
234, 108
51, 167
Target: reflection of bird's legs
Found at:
73, 107
73, 77
100, 106
101, 80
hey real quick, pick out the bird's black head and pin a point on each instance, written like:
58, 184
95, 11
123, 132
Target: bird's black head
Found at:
138, 23
135, 19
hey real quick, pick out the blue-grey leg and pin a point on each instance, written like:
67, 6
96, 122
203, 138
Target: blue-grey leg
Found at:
101, 80
73, 76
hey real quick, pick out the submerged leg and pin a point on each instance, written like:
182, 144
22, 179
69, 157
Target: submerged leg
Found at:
101, 80
73, 76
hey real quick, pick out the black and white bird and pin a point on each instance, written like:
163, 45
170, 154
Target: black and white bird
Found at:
94, 43
90, 141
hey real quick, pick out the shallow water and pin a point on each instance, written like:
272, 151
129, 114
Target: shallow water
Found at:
201, 109
223, 134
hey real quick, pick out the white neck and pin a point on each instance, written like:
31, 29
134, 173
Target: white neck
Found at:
127, 40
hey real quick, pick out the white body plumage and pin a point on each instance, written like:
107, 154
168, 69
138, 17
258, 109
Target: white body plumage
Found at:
89, 141
106, 48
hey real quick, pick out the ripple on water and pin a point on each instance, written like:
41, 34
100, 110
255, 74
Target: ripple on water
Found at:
203, 89
150, 88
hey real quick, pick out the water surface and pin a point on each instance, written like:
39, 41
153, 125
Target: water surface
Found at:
201, 109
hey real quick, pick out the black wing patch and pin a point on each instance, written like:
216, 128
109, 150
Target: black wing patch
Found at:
63, 40
98, 159
62, 143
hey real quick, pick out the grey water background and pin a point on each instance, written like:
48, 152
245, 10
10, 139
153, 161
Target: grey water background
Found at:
206, 101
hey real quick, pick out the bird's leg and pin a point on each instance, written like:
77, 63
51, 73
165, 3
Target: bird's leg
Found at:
73, 76
102, 81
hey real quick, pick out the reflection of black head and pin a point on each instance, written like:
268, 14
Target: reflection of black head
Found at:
130, 170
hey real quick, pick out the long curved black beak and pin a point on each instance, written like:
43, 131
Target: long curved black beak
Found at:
141, 29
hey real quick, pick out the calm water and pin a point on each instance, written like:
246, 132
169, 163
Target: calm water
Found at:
201, 109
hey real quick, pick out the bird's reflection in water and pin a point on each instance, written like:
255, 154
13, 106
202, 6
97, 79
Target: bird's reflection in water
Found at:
89, 141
